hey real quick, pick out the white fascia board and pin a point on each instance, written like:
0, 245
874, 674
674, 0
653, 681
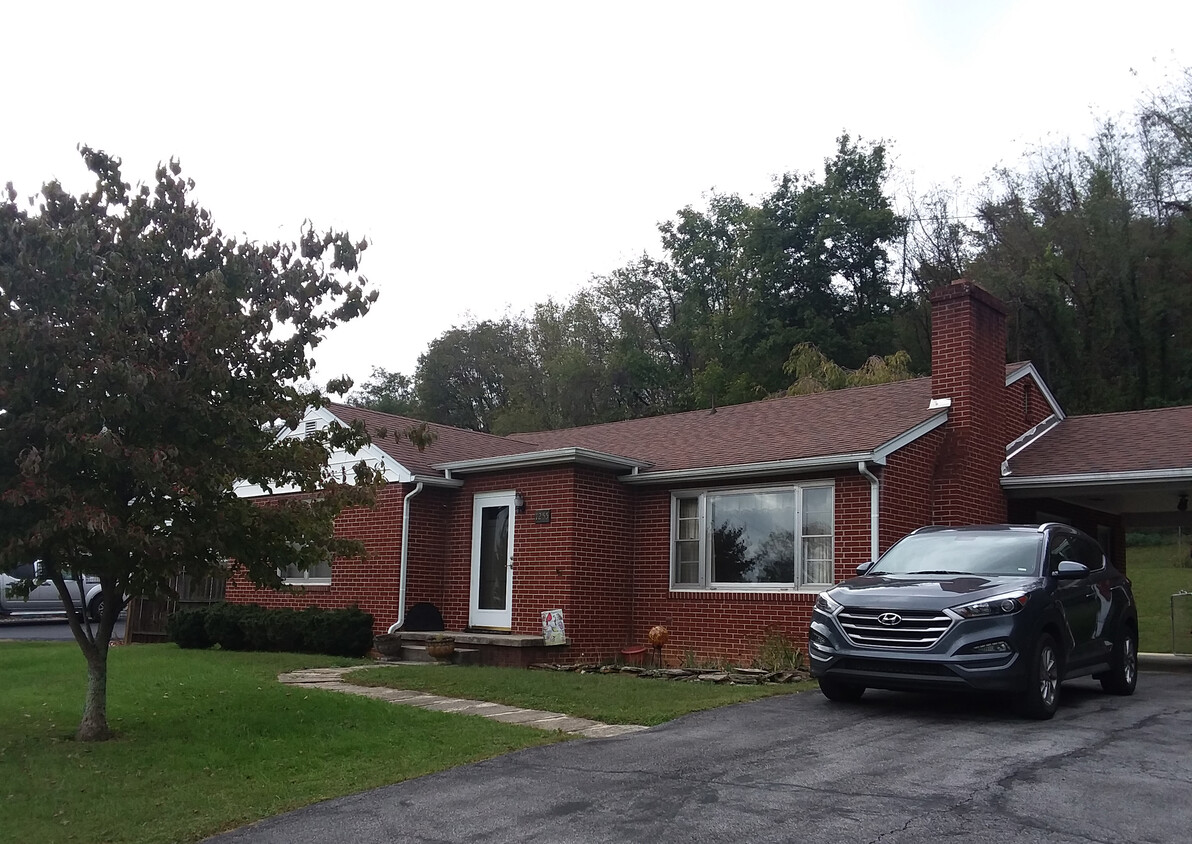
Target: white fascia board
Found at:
827, 463
889, 447
1100, 478
1029, 369
1031, 436
547, 457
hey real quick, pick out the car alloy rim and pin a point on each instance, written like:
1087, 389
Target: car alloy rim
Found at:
1130, 659
1048, 676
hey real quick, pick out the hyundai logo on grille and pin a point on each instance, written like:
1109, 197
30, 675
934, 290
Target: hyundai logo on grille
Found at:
890, 619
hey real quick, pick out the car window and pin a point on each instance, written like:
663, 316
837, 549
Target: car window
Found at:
963, 552
1090, 553
25, 571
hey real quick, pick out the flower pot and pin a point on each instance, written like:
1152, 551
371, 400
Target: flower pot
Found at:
441, 650
388, 645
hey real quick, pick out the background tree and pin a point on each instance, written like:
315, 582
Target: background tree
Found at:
146, 362
387, 392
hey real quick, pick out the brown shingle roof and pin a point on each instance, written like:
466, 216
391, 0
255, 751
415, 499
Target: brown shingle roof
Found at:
450, 443
838, 422
1135, 441
860, 419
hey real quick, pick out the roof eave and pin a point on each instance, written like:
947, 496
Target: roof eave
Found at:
546, 457
1028, 368
909, 436
826, 463
1097, 479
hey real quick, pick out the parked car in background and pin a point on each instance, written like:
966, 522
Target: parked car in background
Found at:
1000, 608
44, 598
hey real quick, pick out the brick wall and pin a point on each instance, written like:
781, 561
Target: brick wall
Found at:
371, 582
721, 624
968, 354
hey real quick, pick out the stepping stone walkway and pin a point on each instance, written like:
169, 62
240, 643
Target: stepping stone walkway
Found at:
335, 680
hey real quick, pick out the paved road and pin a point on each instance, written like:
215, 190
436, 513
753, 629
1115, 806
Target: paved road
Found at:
54, 628
894, 769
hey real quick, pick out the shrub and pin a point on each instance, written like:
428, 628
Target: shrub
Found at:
778, 653
188, 629
231, 626
346, 632
243, 627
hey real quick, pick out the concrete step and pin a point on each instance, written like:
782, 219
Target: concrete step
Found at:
416, 652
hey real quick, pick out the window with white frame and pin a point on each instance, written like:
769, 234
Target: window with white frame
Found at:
770, 537
315, 575
310, 575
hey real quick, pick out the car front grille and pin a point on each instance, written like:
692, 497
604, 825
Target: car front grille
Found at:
890, 666
913, 629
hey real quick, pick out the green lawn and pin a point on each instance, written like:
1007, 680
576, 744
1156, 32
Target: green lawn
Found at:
611, 698
208, 740
1157, 573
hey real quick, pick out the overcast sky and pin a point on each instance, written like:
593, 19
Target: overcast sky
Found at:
498, 153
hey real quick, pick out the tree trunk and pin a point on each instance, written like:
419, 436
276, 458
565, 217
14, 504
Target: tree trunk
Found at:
94, 726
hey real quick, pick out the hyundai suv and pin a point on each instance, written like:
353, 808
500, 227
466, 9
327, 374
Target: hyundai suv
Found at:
1005, 608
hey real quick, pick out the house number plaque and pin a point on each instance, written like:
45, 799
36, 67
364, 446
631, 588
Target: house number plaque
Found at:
542, 517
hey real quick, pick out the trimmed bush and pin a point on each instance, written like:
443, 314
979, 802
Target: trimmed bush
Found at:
243, 627
189, 629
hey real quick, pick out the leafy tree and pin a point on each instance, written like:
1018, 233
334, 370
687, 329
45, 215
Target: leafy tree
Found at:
815, 373
146, 362
387, 392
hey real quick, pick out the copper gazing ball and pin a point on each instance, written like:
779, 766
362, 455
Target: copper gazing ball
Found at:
658, 636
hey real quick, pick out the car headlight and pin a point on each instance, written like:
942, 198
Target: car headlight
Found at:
825, 604
998, 605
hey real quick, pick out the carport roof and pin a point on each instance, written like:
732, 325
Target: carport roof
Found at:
1142, 443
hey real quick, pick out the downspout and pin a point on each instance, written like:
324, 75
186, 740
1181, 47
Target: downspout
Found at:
873, 488
405, 557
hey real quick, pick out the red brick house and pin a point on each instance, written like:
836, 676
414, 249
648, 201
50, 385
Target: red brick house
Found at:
720, 524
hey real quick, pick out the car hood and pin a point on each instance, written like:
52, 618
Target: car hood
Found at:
926, 592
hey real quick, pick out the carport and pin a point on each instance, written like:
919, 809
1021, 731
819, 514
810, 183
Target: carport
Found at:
1106, 474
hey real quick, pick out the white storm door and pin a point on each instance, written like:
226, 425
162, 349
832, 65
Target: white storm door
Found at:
492, 561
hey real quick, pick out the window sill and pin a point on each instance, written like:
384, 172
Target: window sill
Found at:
309, 585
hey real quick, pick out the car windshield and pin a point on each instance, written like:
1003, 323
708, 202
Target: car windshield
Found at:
963, 552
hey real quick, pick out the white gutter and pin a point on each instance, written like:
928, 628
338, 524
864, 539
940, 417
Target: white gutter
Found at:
405, 557
1099, 478
873, 511
545, 457
772, 467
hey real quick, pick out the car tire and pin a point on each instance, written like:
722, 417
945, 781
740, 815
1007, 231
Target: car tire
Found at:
839, 691
1040, 694
1122, 677
95, 608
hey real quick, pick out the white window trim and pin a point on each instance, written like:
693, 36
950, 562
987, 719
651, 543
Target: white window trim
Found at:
306, 581
702, 494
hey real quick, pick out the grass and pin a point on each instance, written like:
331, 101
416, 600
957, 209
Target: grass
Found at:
1157, 573
611, 698
208, 740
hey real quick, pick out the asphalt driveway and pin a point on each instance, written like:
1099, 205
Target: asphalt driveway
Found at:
892, 768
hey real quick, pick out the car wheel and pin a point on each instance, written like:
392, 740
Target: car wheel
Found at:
95, 608
840, 691
1122, 677
1040, 695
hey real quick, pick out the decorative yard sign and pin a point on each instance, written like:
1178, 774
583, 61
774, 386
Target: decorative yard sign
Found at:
552, 628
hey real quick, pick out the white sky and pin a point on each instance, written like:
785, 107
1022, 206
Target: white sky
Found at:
497, 153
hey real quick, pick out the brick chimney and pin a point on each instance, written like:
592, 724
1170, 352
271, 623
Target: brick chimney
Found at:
968, 367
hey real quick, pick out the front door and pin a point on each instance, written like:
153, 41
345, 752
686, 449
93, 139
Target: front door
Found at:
492, 561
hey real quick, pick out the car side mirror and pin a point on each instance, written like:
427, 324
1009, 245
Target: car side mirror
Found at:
864, 567
1069, 570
